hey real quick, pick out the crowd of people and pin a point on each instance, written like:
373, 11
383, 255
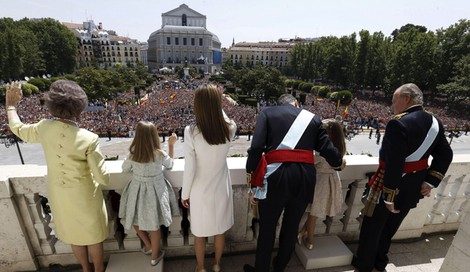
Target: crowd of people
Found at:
168, 104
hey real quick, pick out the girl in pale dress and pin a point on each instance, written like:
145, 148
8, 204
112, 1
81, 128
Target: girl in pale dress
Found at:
148, 200
207, 188
328, 197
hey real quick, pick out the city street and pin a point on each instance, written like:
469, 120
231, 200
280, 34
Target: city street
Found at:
360, 144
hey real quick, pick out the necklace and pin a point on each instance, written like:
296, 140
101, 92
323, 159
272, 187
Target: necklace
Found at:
67, 121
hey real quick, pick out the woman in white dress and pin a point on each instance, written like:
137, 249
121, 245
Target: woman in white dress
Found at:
328, 197
207, 189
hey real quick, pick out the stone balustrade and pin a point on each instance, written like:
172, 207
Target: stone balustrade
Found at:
27, 240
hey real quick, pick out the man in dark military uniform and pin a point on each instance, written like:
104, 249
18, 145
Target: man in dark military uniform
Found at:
403, 177
292, 184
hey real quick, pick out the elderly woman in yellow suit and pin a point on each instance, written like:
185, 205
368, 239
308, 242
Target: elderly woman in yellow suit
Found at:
75, 169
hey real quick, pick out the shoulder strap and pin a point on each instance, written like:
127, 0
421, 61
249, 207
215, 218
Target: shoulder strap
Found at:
296, 130
430, 137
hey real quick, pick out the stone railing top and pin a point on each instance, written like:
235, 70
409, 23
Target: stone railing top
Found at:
29, 173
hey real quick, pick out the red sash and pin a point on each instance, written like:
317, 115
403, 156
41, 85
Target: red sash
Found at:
279, 155
409, 167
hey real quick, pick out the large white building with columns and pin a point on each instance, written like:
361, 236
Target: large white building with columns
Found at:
183, 39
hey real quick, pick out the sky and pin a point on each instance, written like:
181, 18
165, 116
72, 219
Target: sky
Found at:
250, 20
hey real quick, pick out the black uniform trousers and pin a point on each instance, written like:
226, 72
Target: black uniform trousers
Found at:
279, 199
376, 236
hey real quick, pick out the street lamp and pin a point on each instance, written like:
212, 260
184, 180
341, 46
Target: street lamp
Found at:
11, 139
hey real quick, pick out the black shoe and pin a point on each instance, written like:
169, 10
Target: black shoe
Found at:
357, 265
380, 268
354, 261
248, 268
380, 265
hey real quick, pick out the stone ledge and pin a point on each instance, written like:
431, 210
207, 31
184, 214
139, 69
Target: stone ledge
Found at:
132, 262
328, 251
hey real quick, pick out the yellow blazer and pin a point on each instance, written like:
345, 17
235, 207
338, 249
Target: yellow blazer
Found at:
75, 168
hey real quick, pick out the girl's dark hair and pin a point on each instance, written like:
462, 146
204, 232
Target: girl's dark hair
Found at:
336, 134
209, 117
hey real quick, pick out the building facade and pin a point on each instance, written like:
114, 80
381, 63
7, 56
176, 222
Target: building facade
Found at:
250, 54
143, 52
103, 48
184, 39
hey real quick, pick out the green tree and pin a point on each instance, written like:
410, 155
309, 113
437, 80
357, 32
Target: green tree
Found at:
92, 82
362, 57
378, 60
458, 90
58, 45
262, 82
453, 42
31, 54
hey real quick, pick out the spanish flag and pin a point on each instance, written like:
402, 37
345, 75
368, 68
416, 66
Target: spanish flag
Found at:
144, 100
345, 113
162, 101
172, 95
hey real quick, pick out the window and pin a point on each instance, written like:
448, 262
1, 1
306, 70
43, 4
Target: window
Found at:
200, 42
168, 40
193, 42
184, 20
177, 41
184, 41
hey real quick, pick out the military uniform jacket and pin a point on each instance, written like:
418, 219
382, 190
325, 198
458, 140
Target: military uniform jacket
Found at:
403, 135
272, 124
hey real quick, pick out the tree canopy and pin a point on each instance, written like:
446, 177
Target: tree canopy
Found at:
35, 47
412, 53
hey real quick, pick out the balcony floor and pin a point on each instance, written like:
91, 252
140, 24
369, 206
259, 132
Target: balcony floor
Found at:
418, 255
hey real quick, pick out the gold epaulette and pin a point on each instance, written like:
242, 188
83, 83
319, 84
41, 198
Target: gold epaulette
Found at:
436, 174
429, 112
248, 179
398, 116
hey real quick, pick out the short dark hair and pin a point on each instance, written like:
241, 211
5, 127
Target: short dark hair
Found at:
66, 99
